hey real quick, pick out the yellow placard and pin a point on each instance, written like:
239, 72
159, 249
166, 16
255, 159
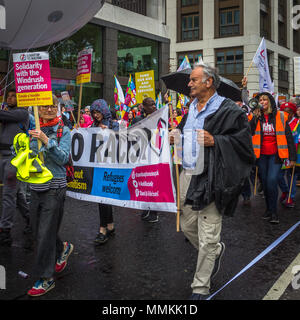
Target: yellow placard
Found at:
83, 78
43, 98
145, 85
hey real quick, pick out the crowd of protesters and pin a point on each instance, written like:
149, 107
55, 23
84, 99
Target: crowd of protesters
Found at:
259, 146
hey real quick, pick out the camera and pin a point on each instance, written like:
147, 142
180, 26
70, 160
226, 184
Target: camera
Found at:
254, 104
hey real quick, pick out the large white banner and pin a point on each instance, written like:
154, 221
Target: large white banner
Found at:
129, 168
297, 75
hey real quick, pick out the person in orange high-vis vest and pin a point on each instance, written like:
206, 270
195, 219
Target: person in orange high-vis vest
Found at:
272, 143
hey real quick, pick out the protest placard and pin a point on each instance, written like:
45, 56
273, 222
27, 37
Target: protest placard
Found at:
67, 101
145, 85
84, 66
32, 79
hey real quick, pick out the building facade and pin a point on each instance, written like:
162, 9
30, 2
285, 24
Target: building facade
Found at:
126, 37
227, 34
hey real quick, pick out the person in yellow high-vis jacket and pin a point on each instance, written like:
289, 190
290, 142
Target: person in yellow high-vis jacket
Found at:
272, 143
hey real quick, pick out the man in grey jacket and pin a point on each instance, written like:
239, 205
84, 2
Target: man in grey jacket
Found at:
13, 120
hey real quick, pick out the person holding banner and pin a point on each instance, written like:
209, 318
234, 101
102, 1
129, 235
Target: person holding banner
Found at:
273, 143
103, 119
13, 120
217, 158
47, 199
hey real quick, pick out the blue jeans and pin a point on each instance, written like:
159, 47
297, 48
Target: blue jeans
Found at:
269, 174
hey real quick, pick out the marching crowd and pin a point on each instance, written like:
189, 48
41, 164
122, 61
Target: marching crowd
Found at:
242, 145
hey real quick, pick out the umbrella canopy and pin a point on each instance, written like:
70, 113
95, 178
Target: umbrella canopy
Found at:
35, 23
178, 81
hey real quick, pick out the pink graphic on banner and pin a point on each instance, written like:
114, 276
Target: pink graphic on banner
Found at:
145, 184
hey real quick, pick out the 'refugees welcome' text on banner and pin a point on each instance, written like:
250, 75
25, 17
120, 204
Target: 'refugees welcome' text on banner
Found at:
129, 168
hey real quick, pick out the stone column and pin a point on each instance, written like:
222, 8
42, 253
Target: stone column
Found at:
110, 63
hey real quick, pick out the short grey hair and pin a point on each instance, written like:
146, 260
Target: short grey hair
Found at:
210, 72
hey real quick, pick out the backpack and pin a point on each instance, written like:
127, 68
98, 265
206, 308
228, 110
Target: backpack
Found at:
69, 165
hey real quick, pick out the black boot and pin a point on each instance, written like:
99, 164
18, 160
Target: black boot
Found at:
274, 218
267, 215
5, 237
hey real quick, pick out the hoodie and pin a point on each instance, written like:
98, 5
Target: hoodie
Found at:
13, 121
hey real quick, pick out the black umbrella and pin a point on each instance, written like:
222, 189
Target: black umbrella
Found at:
178, 81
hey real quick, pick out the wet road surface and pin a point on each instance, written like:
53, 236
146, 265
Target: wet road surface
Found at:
145, 261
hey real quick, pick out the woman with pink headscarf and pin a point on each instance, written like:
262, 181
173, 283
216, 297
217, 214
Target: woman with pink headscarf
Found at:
85, 121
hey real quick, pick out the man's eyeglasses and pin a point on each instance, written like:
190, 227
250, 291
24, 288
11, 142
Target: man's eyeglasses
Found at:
45, 108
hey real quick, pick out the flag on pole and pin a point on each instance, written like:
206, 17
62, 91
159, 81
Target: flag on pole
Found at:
185, 64
158, 101
200, 59
261, 61
118, 94
130, 99
130, 96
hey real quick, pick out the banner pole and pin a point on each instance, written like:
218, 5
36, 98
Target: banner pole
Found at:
37, 127
177, 176
79, 104
292, 180
255, 184
249, 68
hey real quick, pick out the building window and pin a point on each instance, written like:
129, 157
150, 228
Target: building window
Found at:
192, 56
136, 54
190, 27
265, 19
296, 41
230, 63
189, 20
229, 18
137, 6
185, 3
91, 91
229, 22
282, 23
63, 54
283, 74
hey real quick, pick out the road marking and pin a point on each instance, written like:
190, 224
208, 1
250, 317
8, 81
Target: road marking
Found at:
282, 283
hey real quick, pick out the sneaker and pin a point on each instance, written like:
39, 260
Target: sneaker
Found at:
101, 238
283, 197
41, 287
110, 232
5, 237
61, 263
152, 217
289, 203
274, 218
267, 215
198, 296
218, 261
